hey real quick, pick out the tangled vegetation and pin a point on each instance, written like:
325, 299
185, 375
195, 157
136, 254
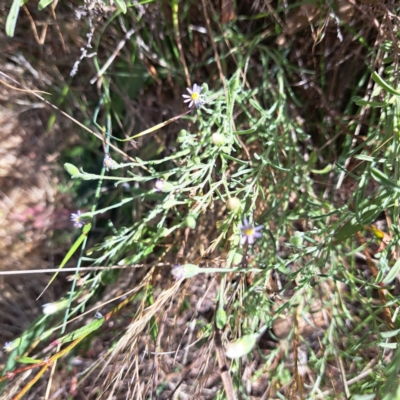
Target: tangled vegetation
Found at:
235, 177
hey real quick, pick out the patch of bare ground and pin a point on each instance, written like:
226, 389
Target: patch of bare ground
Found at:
31, 207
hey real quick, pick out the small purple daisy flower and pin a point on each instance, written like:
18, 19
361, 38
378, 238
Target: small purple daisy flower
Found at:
159, 185
7, 346
178, 271
194, 96
109, 163
249, 232
77, 219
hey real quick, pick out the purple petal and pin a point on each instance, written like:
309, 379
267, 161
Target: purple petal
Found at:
246, 222
257, 228
250, 239
257, 235
197, 88
243, 239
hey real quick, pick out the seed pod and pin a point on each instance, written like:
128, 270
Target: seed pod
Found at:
190, 221
218, 139
233, 203
242, 346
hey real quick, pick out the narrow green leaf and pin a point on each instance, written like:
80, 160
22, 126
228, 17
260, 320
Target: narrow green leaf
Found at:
251, 130
171, 203
44, 3
364, 157
75, 246
121, 5
153, 329
221, 318
364, 396
368, 211
323, 171
387, 335
28, 360
83, 331
384, 85
234, 159
388, 345
362, 102
12, 17
384, 180
392, 273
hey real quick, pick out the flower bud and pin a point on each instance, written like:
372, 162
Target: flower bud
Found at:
242, 346
182, 136
52, 308
163, 186
218, 139
185, 271
71, 169
190, 221
233, 203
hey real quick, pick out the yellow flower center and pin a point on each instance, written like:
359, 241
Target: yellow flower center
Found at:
249, 231
195, 96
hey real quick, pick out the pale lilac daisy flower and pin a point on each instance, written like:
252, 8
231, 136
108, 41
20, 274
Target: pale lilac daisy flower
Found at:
178, 271
159, 185
77, 219
185, 271
109, 163
194, 96
8, 346
249, 232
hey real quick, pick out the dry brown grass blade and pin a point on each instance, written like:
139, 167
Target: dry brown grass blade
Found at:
23, 90
33, 26
81, 270
225, 376
54, 15
297, 383
214, 46
156, 355
175, 13
342, 374
126, 344
227, 11
98, 136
